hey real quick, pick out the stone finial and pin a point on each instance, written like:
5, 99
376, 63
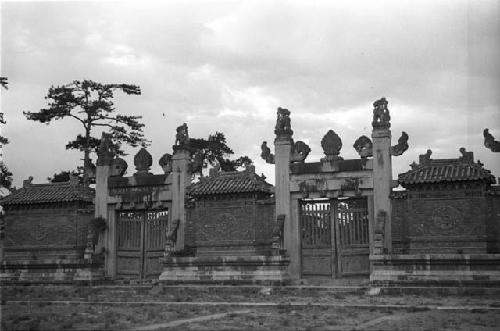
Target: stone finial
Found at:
119, 167
165, 163
27, 182
381, 116
266, 154
402, 145
283, 126
467, 157
424, 159
331, 143
300, 151
105, 152
181, 137
143, 161
364, 146
490, 142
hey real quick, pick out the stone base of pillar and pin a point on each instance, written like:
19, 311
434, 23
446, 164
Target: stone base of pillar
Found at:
258, 269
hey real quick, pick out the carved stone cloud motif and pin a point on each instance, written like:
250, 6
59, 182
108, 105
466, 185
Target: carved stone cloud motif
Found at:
401, 146
166, 163
331, 143
364, 146
300, 151
490, 142
118, 167
266, 154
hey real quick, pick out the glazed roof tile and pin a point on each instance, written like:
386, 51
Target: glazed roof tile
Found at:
49, 193
229, 183
445, 170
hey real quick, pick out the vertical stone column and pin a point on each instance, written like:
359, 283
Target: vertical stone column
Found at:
181, 178
103, 171
283, 149
382, 173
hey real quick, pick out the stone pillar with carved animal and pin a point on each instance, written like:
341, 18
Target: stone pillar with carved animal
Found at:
283, 144
382, 177
181, 178
105, 158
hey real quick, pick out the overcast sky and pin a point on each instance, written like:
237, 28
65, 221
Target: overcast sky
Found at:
227, 65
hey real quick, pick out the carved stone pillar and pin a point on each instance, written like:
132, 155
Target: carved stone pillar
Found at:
103, 171
181, 178
382, 169
282, 149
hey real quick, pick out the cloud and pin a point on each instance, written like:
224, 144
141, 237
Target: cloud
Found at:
227, 65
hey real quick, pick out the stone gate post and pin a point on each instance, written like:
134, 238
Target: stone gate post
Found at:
181, 178
382, 173
282, 149
103, 171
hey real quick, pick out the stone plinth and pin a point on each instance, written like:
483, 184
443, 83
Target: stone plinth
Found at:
51, 271
257, 269
436, 269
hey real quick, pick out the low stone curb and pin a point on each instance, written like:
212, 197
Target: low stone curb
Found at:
264, 304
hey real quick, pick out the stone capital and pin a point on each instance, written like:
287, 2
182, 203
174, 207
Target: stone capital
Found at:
384, 133
181, 154
283, 140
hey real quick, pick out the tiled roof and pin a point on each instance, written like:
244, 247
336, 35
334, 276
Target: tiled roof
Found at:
445, 170
48, 193
230, 182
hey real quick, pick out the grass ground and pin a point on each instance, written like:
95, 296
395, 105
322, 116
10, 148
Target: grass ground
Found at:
237, 308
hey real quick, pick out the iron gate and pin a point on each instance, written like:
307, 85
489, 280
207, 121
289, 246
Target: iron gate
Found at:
140, 243
335, 237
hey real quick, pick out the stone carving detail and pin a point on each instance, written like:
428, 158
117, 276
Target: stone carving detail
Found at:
105, 153
379, 233
266, 154
446, 217
490, 142
424, 159
331, 143
381, 116
171, 238
300, 151
166, 163
143, 161
182, 136
364, 146
351, 184
402, 145
119, 167
277, 239
283, 126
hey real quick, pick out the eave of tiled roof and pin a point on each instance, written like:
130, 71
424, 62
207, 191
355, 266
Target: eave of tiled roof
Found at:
230, 183
445, 170
49, 193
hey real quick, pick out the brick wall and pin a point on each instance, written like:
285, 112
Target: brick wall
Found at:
46, 233
231, 224
445, 222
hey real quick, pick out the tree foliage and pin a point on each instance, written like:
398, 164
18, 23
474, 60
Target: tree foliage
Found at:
214, 151
91, 104
5, 176
64, 176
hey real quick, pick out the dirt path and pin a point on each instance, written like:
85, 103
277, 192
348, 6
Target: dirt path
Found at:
189, 320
